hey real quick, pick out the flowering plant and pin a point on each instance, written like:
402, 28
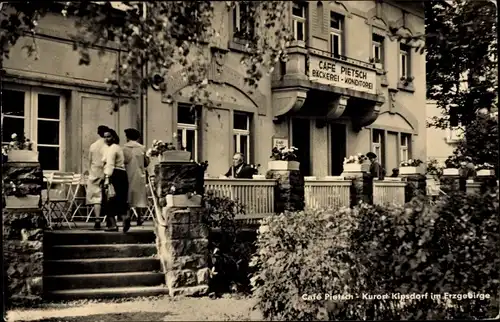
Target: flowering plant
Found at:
457, 160
284, 154
159, 147
485, 166
255, 168
434, 168
19, 142
411, 163
359, 158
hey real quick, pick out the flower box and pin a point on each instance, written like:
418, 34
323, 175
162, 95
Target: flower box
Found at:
175, 156
310, 178
486, 173
356, 167
411, 170
283, 165
451, 172
22, 156
258, 177
183, 201
26, 202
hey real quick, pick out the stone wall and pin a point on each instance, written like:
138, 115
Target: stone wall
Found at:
23, 256
181, 233
289, 190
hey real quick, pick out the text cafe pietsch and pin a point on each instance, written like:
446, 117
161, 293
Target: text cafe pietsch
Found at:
350, 76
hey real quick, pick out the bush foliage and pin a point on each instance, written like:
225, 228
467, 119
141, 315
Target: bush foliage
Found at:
230, 248
452, 247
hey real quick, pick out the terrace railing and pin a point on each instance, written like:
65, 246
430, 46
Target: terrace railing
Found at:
257, 195
385, 191
327, 193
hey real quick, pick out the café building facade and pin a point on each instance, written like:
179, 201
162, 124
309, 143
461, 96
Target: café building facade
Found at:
349, 86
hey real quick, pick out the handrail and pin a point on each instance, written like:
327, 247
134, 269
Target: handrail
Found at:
342, 58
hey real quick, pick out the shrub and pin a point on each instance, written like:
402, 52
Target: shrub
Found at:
230, 248
296, 252
451, 247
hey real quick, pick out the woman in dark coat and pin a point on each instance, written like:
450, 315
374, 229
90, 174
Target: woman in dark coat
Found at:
115, 175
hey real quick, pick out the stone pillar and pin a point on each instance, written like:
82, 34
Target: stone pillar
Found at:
486, 183
361, 187
416, 185
473, 187
23, 255
289, 190
450, 183
181, 233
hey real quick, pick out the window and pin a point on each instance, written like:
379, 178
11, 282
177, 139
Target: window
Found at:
40, 116
377, 143
336, 32
241, 134
378, 48
299, 21
243, 27
187, 130
405, 147
404, 61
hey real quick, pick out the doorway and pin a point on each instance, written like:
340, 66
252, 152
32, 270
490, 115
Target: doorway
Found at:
301, 139
338, 145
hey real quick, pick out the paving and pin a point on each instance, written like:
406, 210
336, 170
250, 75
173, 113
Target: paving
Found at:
161, 308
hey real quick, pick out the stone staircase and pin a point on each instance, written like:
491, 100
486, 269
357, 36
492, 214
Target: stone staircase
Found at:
85, 264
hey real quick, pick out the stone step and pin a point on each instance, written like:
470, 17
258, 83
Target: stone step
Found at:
101, 265
86, 237
100, 251
100, 293
108, 280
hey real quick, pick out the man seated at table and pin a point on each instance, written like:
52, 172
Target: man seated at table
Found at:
239, 169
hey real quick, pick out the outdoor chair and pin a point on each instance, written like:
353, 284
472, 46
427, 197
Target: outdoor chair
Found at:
58, 197
77, 197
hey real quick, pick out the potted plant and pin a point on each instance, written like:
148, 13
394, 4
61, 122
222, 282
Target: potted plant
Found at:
284, 159
434, 170
166, 152
407, 80
485, 170
256, 174
19, 197
411, 166
356, 163
452, 165
20, 149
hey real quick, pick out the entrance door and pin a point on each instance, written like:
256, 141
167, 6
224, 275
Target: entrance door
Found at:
301, 139
338, 141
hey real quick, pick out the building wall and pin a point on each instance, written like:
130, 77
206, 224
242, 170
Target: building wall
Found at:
87, 103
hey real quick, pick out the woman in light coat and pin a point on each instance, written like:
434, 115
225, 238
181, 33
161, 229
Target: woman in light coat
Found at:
135, 164
116, 176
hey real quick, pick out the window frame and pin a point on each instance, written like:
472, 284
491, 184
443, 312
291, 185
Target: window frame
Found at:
404, 148
238, 133
380, 46
297, 19
237, 25
31, 118
184, 127
404, 52
337, 32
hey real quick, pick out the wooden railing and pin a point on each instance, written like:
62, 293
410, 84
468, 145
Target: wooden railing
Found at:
256, 195
388, 192
327, 193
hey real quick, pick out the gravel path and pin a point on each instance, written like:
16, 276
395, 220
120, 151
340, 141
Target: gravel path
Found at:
143, 309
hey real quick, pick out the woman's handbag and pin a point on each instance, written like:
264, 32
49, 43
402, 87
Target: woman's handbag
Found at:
110, 191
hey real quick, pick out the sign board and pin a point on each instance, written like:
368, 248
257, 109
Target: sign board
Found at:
280, 142
334, 73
